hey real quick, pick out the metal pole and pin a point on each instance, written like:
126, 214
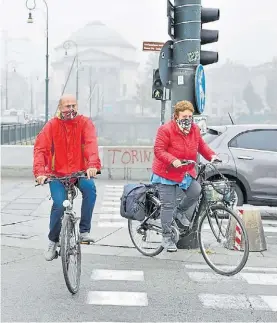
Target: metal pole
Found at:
186, 57
163, 102
47, 67
186, 50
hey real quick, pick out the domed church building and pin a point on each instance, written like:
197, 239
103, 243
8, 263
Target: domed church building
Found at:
103, 64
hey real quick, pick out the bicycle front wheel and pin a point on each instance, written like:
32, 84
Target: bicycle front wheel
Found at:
71, 255
223, 240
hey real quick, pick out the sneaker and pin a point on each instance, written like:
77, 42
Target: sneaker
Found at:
168, 244
182, 220
50, 254
86, 237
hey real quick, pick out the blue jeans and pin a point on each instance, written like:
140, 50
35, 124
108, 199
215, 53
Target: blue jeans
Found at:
58, 194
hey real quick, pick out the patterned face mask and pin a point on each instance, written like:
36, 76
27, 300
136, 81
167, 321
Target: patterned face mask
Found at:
68, 115
185, 123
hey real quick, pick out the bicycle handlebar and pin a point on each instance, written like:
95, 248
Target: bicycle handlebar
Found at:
74, 175
190, 162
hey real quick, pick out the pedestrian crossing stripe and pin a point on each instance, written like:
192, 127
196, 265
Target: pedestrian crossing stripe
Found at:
236, 302
109, 274
250, 278
113, 298
197, 266
117, 298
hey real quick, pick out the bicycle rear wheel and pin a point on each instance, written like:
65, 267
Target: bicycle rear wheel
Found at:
234, 240
141, 234
70, 247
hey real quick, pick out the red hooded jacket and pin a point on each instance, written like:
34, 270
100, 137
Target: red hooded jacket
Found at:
171, 144
64, 147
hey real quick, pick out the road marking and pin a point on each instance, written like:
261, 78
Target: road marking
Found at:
109, 224
113, 216
223, 301
107, 274
205, 277
111, 198
108, 209
256, 269
115, 186
271, 301
260, 279
270, 222
114, 194
117, 298
111, 203
270, 229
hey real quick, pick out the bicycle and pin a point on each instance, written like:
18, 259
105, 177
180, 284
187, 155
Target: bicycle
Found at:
69, 230
208, 207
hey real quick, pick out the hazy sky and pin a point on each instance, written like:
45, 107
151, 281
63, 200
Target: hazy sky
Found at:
248, 30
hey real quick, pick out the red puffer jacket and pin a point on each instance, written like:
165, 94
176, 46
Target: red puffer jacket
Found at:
171, 144
65, 147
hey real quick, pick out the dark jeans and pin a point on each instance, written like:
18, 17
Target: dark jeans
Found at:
58, 194
171, 197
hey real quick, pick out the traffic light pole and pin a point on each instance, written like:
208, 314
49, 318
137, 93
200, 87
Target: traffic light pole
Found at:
163, 102
186, 57
186, 50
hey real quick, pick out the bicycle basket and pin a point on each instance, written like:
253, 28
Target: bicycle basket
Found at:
218, 191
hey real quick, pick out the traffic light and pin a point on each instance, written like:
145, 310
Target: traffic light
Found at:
157, 87
208, 36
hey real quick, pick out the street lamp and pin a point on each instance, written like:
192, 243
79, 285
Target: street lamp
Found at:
30, 21
67, 44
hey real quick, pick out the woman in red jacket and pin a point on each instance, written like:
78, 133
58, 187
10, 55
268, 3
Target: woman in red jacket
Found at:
179, 139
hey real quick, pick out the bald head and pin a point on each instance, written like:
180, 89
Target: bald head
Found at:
66, 98
68, 106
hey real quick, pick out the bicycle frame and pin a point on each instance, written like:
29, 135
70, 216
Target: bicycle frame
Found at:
201, 203
68, 204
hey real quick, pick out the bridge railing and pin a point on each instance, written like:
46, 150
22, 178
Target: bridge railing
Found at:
19, 134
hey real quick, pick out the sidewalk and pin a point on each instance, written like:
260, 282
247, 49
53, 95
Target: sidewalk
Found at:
25, 220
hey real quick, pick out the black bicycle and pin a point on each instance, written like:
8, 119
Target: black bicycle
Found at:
70, 241
213, 210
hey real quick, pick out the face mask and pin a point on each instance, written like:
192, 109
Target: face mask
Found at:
69, 114
185, 124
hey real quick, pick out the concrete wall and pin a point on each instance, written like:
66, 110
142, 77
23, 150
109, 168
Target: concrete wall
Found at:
131, 163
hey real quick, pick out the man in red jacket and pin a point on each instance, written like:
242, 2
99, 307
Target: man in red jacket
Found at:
179, 139
67, 144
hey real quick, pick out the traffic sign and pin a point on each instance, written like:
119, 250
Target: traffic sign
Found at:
200, 89
152, 46
165, 64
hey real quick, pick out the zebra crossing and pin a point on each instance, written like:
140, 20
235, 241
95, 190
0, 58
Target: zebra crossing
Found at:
264, 278
121, 297
110, 208
126, 296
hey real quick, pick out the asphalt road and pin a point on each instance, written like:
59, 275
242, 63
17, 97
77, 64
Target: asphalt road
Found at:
33, 290
117, 283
